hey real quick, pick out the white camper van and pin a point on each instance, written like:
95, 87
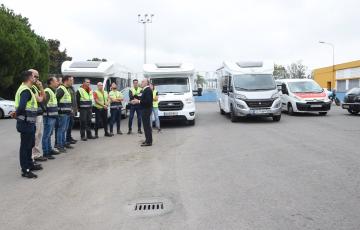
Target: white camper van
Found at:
248, 89
105, 72
174, 82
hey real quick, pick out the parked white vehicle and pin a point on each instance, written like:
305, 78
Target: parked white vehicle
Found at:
6, 107
105, 72
248, 89
303, 96
174, 82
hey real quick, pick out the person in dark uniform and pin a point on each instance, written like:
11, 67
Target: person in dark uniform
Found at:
146, 103
26, 111
135, 93
69, 138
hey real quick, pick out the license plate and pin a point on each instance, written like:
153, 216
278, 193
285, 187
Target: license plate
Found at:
261, 111
315, 106
346, 106
170, 113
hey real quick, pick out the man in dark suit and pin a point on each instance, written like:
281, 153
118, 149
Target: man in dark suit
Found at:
146, 103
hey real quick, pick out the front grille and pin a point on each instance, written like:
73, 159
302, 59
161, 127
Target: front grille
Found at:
259, 103
307, 107
351, 98
170, 105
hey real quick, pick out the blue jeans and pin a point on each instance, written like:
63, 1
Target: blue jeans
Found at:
115, 118
133, 109
63, 120
155, 117
49, 125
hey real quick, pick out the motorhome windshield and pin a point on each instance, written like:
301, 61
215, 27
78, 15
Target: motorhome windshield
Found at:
251, 82
78, 81
171, 84
305, 87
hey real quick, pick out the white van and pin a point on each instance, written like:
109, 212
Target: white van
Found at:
174, 82
303, 96
248, 89
105, 72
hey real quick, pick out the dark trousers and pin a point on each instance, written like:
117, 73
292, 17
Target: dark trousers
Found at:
146, 113
56, 131
101, 118
69, 129
85, 122
27, 142
115, 117
133, 109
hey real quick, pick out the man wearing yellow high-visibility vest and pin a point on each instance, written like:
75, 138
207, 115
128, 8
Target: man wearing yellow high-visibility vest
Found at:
84, 97
26, 111
135, 93
155, 110
101, 99
116, 98
63, 97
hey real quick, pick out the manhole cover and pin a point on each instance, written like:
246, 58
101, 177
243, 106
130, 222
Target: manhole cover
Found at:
149, 207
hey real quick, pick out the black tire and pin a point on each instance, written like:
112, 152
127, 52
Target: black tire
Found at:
222, 112
290, 109
233, 118
353, 112
276, 118
191, 122
322, 113
1, 114
337, 101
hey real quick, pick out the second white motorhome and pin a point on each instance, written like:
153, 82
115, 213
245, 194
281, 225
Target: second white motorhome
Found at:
248, 89
174, 82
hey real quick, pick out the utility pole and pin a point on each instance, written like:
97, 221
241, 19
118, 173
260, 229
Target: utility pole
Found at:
145, 19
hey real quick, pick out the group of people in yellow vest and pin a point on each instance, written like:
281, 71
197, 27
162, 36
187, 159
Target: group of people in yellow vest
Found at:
40, 112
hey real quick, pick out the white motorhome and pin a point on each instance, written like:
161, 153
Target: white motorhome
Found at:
174, 82
248, 89
105, 72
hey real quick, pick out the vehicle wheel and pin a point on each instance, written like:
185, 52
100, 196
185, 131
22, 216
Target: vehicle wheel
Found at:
191, 122
233, 118
290, 109
222, 112
350, 111
323, 113
1, 114
276, 118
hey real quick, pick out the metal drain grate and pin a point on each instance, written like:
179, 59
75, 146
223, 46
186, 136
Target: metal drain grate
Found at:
149, 206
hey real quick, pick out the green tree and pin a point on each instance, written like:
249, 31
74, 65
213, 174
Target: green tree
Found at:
20, 49
56, 56
200, 81
280, 72
297, 70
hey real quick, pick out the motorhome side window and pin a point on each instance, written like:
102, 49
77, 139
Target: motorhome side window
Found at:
224, 83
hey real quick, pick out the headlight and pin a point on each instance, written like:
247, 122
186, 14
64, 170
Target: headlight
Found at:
189, 100
240, 97
275, 95
278, 104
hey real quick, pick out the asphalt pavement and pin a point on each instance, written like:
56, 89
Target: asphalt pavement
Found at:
299, 173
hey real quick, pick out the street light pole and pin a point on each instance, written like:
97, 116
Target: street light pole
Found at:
333, 57
144, 19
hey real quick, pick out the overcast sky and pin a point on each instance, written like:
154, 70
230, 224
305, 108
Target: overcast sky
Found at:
203, 32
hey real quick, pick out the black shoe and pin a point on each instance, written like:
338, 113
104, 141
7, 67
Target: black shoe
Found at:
29, 174
41, 158
139, 132
96, 136
50, 157
129, 132
72, 142
108, 135
84, 139
146, 144
119, 132
62, 150
36, 167
54, 152
68, 146
90, 137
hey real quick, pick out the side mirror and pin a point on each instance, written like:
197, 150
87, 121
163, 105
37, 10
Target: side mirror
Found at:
284, 90
195, 93
200, 91
224, 89
231, 89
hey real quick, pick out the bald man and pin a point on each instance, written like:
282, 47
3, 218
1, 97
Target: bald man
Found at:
40, 95
102, 101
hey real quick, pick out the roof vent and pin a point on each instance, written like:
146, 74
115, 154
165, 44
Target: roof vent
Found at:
249, 64
168, 65
85, 64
